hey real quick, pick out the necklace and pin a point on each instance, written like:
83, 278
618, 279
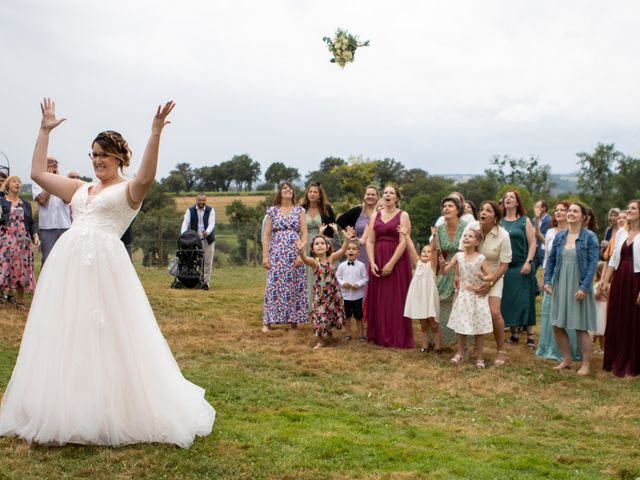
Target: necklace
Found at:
509, 226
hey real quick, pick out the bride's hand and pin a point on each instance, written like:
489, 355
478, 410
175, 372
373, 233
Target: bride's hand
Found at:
160, 119
49, 120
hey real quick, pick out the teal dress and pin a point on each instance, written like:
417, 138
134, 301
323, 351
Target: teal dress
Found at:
566, 311
448, 248
547, 346
518, 304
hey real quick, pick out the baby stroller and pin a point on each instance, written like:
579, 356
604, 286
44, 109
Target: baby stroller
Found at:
188, 266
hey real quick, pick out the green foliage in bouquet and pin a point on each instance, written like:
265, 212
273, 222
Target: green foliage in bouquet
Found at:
343, 47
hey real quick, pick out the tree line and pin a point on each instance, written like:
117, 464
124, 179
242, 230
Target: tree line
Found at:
606, 178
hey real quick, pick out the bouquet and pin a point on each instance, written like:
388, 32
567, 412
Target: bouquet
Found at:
343, 47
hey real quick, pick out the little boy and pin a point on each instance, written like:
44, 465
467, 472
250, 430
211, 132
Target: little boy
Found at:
352, 276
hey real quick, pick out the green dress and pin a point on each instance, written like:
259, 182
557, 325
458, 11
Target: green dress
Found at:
313, 230
448, 248
518, 304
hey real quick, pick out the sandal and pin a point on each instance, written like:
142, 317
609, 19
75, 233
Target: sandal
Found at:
346, 338
498, 362
20, 305
530, 342
437, 351
265, 329
457, 358
424, 350
362, 339
514, 338
480, 364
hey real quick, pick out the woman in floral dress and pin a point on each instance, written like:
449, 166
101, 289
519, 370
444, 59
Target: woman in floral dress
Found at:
446, 242
285, 295
18, 234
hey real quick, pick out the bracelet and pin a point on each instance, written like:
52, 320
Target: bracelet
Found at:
491, 283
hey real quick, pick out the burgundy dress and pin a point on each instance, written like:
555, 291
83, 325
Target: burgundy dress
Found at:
387, 325
622, 334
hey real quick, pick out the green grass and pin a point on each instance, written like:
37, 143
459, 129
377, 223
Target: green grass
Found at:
350, 410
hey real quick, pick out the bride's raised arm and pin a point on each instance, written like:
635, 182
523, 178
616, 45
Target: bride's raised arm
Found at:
58, 185
140, 185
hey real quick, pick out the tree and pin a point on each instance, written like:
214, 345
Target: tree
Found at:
626, 181
278, 171
596, 177
244, 171
174, 183
529, 173
185, 171
157, 227
389, 171
326, 177
478, 189
246, 222
352, 178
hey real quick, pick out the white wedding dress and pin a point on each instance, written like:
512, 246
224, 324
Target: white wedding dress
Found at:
93, 366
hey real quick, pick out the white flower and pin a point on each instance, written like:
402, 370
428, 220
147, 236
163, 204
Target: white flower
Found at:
348, 56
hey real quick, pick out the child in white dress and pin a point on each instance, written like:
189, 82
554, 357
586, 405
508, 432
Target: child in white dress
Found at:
423, 301
601, 310
470, 314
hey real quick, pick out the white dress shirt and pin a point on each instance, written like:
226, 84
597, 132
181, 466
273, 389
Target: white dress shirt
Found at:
355, 274
54, 214
186, 222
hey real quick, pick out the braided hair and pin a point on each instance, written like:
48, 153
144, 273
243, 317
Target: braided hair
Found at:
113, 143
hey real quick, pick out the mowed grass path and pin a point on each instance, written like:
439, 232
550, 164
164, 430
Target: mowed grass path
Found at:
286, 411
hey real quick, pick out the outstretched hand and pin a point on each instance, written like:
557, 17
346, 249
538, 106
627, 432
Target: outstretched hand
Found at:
160, 119
49, 120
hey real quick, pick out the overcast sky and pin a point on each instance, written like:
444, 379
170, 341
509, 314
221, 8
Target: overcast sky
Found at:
444, 85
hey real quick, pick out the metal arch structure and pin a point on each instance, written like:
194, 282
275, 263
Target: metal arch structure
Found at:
4, 166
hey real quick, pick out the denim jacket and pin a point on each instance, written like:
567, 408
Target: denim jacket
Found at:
587, 253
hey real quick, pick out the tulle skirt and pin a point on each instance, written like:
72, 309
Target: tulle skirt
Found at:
93, 366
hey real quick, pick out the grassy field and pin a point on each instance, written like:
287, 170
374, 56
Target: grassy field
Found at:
286, 411
219, 202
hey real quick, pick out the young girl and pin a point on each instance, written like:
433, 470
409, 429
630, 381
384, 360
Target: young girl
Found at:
423, 301
601, 309
470, 314
328, 306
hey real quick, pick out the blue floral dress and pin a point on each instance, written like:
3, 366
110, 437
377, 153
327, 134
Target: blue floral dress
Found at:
328, 305
285, 295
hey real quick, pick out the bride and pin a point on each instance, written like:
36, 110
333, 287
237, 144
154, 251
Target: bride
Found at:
93, 366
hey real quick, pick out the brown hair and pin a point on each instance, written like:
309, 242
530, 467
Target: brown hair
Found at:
566, 204
322, 199
456, 201
395, 189
520, 210
113, 143
326, 240
497, 211
278, 198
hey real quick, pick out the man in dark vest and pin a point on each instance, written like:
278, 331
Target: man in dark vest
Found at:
202, 219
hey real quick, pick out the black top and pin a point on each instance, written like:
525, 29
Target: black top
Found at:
28, 215
349, 218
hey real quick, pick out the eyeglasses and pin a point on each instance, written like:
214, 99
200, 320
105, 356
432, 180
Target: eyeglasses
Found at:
96, 155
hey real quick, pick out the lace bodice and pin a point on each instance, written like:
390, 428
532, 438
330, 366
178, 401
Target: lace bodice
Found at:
107, 212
